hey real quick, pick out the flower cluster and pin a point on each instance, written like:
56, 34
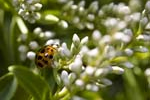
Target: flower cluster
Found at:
28, 9
118, 34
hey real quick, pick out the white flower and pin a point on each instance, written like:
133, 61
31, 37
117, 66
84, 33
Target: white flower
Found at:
72, 77
122, 37
38, 6
128, 64
64, 51
76, 40
110, 52
84, 40
37, 30
106, 81
93, 6
111, 22
90, 17
117, 70
147, 72
92, 87
22, 48
129, 52
90, 26
144, 37
122, 9
76, 20
89, 70
50, 17
31, 55
76, 66
64, 77
136, 17
106, 39
102, 71
93, 53
48, 34
53, 42
33, 45
63, 24
96, 35
141, 49
79, 83
144, 21
147, 6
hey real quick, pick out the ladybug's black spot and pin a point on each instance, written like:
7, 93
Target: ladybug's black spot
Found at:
42, 51
45, 61
52, 50
47, 48
40, 65
50, 56
39, 57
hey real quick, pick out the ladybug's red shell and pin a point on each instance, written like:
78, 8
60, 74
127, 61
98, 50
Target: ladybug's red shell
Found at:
44, 57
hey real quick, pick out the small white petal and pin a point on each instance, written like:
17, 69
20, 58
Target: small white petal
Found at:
38, 6
76, 39
64, 77
117, 70
72, 77
93, 53
129, 52
84, 40
89, 70
63, 24
147, 72
92, 87
79, 83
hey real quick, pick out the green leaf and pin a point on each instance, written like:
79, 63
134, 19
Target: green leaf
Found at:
8, 85
32, 83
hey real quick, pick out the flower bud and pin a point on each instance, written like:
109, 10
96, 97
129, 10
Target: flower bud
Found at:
72, 77
96, 35
76, 66
92, 87
84, 40
31, 55
33, 45
37, 31
117, 70
63, 24
147, 6
79, 83
76, 40
89, 70
64, 77
38, 6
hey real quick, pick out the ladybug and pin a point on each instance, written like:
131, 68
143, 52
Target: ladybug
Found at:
44, 57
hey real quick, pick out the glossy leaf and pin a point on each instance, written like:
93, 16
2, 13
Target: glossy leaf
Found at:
8, 85
32, 83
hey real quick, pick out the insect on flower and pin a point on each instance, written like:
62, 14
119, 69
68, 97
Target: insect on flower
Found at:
44, 57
